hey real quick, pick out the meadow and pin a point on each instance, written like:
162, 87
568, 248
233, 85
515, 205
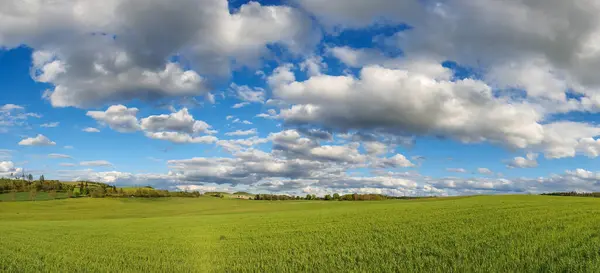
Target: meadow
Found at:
462, 234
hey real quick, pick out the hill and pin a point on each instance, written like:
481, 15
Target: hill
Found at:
463, 234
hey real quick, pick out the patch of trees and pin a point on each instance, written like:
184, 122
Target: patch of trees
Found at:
329, 197
82, 189
18, 185
572, 193
215, 194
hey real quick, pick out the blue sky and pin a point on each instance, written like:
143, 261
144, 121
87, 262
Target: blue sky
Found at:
449, 111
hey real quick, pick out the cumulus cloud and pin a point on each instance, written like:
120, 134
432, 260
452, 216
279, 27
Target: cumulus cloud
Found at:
7, 168
358, 14
529, 161
39, 140
395, 161
77, 52
179, 127
411, 102
375, 148
181, 121
248, 94
118, 117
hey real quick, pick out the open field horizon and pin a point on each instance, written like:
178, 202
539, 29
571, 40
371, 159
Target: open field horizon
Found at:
452, 234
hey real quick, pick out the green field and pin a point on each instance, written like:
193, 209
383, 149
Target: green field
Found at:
469, 234
25, 196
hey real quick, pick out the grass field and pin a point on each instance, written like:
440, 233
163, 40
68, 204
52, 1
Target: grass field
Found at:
470, 234
24, 196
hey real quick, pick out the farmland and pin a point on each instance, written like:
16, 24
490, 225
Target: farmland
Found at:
475, 234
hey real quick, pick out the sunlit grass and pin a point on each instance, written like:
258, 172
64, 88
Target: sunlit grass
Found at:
474, 234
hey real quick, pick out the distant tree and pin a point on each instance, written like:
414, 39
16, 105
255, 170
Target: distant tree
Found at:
99, 192
30, 177
32, 194
313, 197
328, 197
336, 196
308, 197
42, 179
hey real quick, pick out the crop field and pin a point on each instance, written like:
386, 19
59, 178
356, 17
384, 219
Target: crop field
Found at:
467, 234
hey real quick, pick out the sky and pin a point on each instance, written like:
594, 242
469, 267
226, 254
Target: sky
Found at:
396, 97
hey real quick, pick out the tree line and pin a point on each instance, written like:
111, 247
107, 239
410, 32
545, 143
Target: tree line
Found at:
329, 197
573, 193
83, 189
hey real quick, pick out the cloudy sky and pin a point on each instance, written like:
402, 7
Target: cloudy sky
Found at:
400, 97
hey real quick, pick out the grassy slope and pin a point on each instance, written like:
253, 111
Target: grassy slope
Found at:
481, 234
24, 196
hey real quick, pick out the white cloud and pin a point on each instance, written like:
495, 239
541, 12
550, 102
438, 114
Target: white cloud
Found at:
96, 163
12, 115
313, 65
63, 156
91, 130
181, 138
237, 120
242, 133
118, 117
529, 161
456, 170
50, 125
411, 102
248, 94
395, 161
567, 139
10, 107
240, 105
236, 145
181, 121
358, 14
67, 164
375, 148
69, 147
39, 140
484, 171
76, 51
7, 168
